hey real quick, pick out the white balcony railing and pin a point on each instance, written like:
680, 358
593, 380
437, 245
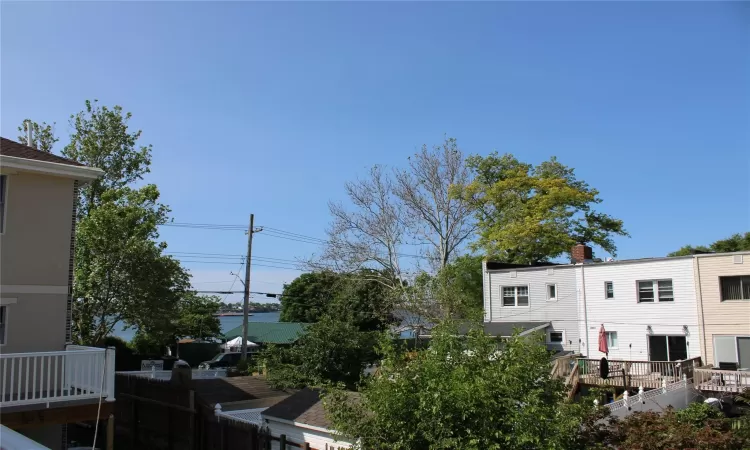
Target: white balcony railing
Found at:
77, 373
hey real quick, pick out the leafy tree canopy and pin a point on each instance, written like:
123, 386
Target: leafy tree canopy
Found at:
42, 136
121, 273
460, 393
734, 243
529, 214
331, 351
354, 298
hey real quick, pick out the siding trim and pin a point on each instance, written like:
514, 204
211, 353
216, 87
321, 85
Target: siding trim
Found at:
71, 267
33, 289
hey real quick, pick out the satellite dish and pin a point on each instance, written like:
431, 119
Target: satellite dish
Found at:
604, 368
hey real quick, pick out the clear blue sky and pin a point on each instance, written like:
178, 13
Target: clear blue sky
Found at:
270, 107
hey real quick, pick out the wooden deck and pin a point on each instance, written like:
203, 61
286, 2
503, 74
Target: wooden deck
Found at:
730, 381
648, 374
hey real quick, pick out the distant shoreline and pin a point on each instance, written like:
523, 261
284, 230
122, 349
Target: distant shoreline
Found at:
230, 314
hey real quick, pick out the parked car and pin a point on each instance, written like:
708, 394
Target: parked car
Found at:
222, 361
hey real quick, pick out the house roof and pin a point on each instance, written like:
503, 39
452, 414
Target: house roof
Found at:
303, 407
235, 389
270, 332
18, 150
505, 329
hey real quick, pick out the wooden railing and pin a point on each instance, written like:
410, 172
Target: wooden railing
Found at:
77, 373
649, 374
709, 379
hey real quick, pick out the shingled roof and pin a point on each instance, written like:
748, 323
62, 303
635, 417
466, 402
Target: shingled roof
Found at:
235, 389
17, 150
303, 407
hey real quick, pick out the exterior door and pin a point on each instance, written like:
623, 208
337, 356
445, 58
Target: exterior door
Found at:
667, 348
743, 351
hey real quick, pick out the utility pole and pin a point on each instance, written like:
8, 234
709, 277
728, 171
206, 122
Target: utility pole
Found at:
246, 302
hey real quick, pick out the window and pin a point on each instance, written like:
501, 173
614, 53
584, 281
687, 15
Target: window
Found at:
551, 292
611, 339
732, 349
3, 191
645, 291
735, 288
3, 323
662, 288
515, 296
555, 337
609, 289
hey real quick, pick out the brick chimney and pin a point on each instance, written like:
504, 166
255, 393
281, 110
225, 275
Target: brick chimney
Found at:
581, 253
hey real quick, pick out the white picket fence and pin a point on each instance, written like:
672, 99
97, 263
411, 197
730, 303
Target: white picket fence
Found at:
76, 373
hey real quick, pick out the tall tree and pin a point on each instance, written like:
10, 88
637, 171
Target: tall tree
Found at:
528, 213
460, 393
308, 296
42, 136
121, 273
331, 351
101, 138
734, 243
433, 216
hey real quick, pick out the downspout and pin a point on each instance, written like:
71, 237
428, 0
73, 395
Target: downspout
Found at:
585, 309
699, 292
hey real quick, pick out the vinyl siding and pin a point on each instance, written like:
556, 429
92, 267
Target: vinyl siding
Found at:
730, 317
562, 313
629, 318
317, 439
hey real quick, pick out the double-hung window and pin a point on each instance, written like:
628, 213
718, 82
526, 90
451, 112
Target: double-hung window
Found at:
515, 296
609, 289
735, 288
556, 337
650, 290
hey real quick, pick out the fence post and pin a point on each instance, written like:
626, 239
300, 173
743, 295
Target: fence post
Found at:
109, 355
282, 442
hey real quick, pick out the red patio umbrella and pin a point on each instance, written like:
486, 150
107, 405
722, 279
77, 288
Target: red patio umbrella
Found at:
603, 341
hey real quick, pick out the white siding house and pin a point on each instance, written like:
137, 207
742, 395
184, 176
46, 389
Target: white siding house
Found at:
648, 306
535, 294
299, 433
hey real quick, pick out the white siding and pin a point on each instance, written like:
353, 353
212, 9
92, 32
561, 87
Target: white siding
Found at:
629, 318
562, 313
299, 435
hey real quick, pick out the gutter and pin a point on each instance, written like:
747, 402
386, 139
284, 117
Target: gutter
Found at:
81, 173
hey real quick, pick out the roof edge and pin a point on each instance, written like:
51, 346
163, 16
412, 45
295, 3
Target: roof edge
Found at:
82, 173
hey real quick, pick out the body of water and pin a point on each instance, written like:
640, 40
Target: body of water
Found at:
227, 323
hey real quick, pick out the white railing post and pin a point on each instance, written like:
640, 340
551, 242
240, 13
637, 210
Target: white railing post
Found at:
217, 411
664, 385
640, 395
625, 396
109, 373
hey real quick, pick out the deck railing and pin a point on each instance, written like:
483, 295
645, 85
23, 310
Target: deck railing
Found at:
77, 373
649, 374
709, 379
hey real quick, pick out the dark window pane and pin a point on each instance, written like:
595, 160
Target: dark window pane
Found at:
731, 288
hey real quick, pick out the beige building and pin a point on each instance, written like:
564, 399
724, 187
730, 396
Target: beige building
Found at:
45, 382
722, 283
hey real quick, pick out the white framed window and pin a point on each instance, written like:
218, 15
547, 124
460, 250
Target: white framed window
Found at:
735, 288
3, 201
555, 337
551, 292
609, 289
3, 324
650, 290
515, 296
732, 349
611, 339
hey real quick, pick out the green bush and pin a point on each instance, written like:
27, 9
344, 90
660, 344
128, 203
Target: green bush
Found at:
698, 414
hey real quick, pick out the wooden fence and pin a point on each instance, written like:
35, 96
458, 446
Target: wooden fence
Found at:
649, 374
155, 414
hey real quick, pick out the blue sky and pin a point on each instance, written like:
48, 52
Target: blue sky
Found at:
270, 107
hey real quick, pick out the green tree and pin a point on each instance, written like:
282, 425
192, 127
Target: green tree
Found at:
357, 298
194, 318
42, 136
308, 296
330, 352
464, 275
121, 273
101, 138
734, 243
528, 213
462, 392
